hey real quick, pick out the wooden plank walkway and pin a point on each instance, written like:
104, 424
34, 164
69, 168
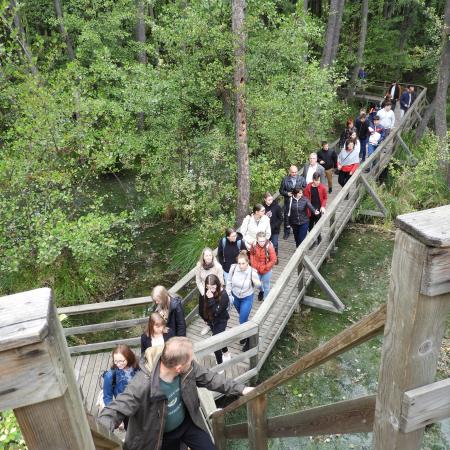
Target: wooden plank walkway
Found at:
88, 367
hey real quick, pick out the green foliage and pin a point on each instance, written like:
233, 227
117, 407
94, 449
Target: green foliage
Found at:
10, 435
415, 188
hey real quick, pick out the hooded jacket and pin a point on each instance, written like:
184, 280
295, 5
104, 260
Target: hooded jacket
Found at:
146, 406
275, 214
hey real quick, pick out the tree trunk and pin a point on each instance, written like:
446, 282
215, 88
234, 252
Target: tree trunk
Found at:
21, 37
337, 31
142, 54
305, 6
62, 29
326, 54
443, 79
239, 78
362, 42
333, 32
440, 114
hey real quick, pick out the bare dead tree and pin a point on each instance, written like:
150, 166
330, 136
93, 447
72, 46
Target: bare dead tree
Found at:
239, 80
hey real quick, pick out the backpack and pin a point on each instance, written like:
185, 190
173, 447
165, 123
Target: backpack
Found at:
266, 248
100, 403
224, 242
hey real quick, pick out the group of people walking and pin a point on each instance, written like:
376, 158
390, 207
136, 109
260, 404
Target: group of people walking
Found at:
163, 398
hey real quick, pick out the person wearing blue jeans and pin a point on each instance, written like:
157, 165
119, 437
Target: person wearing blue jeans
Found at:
241, 281
262, 259
298, 218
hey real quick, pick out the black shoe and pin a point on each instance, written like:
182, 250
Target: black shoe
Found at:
286, 235
260, 296
242, 341
367, 170
319, 239
330, 190
246, 346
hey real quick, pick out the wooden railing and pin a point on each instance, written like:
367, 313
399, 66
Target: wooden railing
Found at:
415, 320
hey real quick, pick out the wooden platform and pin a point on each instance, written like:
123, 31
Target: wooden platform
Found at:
88, 367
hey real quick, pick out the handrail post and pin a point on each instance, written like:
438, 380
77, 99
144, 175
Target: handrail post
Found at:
257, 423
417, 308
218, 426
38, 380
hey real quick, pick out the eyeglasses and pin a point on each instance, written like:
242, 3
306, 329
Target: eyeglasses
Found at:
120, 361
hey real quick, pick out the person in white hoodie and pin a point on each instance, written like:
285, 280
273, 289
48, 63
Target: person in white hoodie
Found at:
253, 224
387, 117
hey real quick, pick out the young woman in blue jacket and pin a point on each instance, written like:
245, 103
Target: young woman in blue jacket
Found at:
123, 369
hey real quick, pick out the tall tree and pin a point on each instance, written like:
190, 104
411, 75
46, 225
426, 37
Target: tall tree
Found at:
62, 29
239, 80
142, 55
20, 36
440, 114
337, 31
362, 41
333, 32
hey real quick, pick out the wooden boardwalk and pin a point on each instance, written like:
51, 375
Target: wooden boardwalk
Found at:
88, 367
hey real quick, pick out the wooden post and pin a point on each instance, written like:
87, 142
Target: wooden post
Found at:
253, 342
36, 374
416, 320
218, 426
257, 423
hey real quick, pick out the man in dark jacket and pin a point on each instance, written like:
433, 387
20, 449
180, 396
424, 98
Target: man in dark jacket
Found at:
162, 401
288, 184
362, 128
275, 214
328, 160
406, 100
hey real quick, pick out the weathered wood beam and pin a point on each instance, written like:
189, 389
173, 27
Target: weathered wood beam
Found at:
321, 304
105, 306
371, 213
323, 283
350, 416
37, 379
116, 325
365, 329
425, 405
257, 423
103, 438
415, 324
218, 426
77, 349
375, 197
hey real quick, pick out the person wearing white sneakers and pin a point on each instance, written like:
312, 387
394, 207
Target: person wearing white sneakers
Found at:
206, 265
215, 311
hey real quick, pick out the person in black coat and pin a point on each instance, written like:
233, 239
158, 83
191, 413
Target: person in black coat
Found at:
216, 311
394, 91
288, 184
362, 128
171, 310
275, 214
228, 250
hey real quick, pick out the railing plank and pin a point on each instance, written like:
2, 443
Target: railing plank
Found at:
117, 324
350, 416
358, 333
425, 405
105, 306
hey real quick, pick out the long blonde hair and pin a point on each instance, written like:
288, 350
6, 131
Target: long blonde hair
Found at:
161, 293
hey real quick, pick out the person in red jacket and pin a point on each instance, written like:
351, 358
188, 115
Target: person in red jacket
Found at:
262, 259
317, 194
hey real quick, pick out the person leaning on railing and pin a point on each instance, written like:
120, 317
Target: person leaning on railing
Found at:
162, 400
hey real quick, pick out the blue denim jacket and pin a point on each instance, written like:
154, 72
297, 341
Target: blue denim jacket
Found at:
123, 377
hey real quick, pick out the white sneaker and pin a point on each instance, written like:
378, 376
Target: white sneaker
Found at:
226, 356
205, 330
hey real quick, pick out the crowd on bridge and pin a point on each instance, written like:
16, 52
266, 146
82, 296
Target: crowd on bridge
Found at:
167, 375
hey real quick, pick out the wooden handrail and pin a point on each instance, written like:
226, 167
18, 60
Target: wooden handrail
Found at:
349, 416
365, 329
